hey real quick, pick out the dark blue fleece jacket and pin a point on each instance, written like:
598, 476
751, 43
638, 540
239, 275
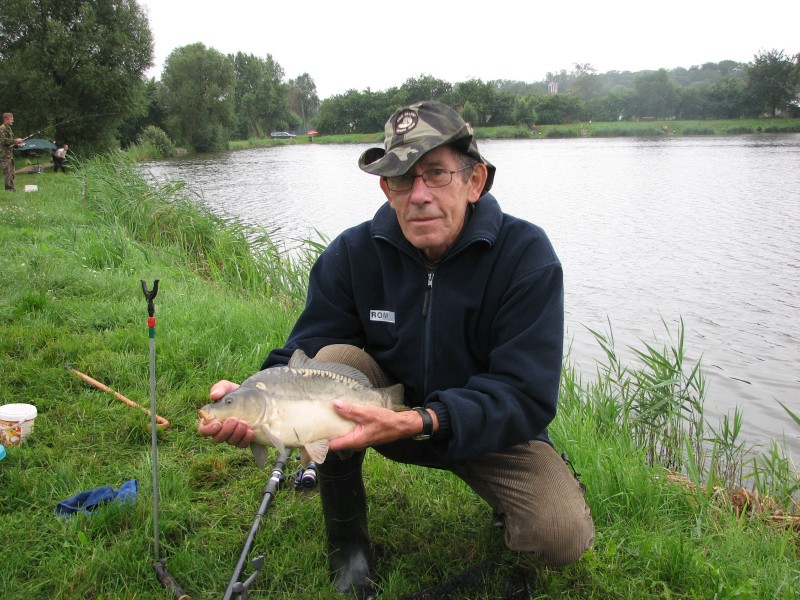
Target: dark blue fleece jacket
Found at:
477, 338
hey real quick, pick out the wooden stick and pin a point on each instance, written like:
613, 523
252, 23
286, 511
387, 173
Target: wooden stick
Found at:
162, 422
168, 581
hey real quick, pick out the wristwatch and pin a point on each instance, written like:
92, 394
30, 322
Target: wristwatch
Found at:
427, 425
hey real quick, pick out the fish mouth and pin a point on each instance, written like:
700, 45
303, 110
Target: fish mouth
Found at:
205, 417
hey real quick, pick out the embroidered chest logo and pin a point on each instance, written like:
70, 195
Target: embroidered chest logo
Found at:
386, 316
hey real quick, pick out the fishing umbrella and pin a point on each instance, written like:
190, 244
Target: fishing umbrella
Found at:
312, 132
37, 144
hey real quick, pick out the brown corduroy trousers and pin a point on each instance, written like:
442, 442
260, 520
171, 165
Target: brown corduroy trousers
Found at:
529, 485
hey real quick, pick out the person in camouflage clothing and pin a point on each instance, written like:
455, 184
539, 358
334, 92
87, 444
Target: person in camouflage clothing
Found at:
7, 144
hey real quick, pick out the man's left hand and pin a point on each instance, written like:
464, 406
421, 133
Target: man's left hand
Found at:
375, 426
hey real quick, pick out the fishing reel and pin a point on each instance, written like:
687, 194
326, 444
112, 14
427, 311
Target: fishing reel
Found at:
306, 478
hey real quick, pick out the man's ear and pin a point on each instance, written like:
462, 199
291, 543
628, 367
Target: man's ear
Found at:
477, 179
385, 189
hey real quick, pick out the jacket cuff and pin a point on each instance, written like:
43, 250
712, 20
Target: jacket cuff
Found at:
445, 430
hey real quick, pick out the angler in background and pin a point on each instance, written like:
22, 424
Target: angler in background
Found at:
461, 303
60, 157
7, 144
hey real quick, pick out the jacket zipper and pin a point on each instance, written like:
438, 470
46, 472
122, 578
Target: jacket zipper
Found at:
427, 299
426, 306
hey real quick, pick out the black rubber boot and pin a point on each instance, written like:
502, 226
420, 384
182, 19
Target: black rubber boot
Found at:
344, 504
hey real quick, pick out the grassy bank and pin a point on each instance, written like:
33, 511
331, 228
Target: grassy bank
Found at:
647, 128
74, 255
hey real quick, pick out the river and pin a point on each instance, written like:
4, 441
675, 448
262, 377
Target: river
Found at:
650, 231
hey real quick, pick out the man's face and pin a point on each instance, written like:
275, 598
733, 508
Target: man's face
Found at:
432, 218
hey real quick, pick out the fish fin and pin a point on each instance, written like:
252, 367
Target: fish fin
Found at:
260, 454
304, 457
300, 360
317, 451
395, 397
274, 440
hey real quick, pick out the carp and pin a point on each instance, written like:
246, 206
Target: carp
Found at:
292, 406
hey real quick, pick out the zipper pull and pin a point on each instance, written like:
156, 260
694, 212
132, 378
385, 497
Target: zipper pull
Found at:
427, 299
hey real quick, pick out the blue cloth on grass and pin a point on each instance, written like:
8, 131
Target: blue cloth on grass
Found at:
86, 501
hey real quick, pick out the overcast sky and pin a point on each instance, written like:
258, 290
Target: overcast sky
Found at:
358, 44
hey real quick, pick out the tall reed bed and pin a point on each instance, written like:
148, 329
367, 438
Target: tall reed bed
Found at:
170, 215
657, 402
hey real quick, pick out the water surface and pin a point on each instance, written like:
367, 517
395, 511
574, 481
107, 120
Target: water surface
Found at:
649, 232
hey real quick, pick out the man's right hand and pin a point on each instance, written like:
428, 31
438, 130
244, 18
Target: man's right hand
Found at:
232, 430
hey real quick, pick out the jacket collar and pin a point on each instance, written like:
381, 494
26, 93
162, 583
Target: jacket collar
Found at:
483, 226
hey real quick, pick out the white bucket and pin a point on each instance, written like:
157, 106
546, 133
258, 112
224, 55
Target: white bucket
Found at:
16, 423
31, 188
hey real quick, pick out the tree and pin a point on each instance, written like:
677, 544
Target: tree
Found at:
261, 97
198, 96
772, 81
469, 113
728, 99
554, 109
426, 87
524, 111
80, 62
616, 106
304, 99
693, 102
656, 94
481, 95
585, 84
132, 127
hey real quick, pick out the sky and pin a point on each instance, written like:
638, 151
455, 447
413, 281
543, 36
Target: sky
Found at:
357, 44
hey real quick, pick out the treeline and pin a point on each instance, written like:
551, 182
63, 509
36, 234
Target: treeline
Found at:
74, 72
243, 96
769, 86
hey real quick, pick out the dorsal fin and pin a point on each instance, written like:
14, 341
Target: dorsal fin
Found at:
300, 360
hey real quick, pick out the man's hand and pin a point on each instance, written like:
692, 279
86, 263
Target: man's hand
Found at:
375, 426
231, 430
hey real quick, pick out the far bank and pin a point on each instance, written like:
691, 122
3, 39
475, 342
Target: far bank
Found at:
642, 128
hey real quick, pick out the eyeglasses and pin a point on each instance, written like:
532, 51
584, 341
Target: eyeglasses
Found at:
433, 178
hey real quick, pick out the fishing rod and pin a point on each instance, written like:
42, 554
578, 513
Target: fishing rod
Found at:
237, 590
68, 121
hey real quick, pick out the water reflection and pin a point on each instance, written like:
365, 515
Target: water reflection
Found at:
702, 229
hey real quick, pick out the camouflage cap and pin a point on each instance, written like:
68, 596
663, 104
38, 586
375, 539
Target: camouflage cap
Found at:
414, 130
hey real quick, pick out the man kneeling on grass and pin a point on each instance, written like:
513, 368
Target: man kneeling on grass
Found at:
462, 304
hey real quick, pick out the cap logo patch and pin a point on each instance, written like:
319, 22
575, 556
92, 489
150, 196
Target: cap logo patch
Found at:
405, 122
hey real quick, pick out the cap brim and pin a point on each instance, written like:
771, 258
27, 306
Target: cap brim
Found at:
401, 159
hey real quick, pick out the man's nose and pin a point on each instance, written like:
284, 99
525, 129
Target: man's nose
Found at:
419, 191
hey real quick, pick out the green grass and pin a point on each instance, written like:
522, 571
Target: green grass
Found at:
74, 254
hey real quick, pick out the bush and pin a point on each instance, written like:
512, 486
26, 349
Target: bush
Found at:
154, 138
738, 130
698, 131
561, 133
627, 132
782, 129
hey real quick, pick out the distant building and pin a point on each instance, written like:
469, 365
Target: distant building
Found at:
552, 87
